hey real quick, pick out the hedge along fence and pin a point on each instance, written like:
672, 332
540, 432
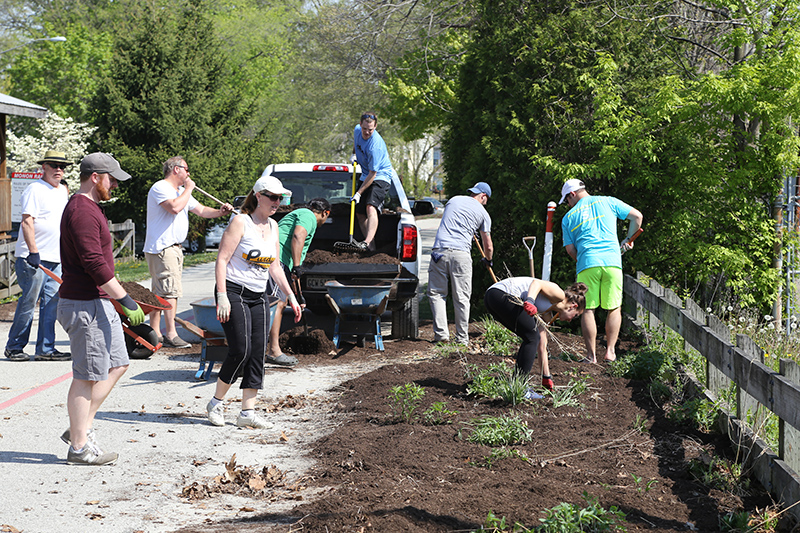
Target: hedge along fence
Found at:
758, 386
124, 238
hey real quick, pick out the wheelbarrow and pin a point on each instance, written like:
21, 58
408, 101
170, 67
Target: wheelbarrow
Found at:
214, 346
358, 307
141, 341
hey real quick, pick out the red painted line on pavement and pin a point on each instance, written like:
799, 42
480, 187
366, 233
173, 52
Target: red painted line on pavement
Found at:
37, 390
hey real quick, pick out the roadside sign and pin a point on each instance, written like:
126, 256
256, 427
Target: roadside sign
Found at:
20, 182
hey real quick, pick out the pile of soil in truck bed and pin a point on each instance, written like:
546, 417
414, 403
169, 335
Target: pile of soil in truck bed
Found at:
321, 257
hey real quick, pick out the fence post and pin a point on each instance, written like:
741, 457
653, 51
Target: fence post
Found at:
789, 437
717, 381
744, 402
658, 290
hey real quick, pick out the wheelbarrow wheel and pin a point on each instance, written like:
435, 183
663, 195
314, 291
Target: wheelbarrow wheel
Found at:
136, 350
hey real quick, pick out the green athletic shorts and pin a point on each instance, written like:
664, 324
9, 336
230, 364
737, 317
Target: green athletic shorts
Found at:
605, 287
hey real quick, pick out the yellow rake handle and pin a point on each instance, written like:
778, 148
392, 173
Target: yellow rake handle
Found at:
353, 203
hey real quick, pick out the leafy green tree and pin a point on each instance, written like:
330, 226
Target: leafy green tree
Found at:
171, 90
63, 77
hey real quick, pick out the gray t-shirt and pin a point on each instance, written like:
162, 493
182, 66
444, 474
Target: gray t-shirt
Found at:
463, 216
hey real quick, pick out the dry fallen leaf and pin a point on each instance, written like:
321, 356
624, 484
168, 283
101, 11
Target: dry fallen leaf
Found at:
247, 509
284, 438
92, 502
5, 528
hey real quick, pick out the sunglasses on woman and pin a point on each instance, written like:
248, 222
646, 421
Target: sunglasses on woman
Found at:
273, 197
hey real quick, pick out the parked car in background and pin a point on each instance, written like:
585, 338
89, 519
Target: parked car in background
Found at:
438, 207
212, 239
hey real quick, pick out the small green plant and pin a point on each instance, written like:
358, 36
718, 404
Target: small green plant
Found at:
485, 382
568, 396
512, 387
641, 488
405, 400
640, 424
568, 518
495, 524
499, 431
719, 473
659, 392
696, 412
448, 349
498, 454
437, 415
497, 338
738, 522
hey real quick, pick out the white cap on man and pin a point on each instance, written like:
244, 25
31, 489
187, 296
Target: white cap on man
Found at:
571, 186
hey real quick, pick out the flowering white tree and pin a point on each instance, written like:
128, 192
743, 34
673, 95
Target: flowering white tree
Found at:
55, 133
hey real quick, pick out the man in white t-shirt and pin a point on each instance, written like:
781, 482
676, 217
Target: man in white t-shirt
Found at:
43, 202
168, 204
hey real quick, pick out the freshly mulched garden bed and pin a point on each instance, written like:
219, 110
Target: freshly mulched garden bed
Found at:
377, 473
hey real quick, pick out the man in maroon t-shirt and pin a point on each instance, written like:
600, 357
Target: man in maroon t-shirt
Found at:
85, 311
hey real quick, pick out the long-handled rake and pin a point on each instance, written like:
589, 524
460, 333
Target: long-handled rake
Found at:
353, 245
480, 249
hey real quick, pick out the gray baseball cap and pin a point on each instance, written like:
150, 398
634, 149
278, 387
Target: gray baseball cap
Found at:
103, 163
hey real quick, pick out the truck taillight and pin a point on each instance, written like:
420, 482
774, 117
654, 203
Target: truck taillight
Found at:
409, 250
332, 168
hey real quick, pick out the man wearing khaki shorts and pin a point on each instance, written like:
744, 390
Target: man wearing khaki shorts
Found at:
168, 204
589, 230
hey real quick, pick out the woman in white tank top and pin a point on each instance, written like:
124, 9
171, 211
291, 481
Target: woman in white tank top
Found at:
515, 302
248, 257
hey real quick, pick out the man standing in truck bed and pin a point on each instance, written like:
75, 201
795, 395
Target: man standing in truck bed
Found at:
451, 258
376, 177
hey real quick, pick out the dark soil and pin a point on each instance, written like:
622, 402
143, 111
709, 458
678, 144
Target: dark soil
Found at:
296, 341
378, 473
141, 294
321, 257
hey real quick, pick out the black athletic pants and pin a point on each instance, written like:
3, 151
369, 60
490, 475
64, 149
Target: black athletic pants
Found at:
515, 318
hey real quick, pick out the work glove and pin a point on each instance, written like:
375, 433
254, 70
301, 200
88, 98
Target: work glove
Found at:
298, 271
223, 307
487, 262
132, 310
624, 246
547, 382
356, 197
33, 260
530, 307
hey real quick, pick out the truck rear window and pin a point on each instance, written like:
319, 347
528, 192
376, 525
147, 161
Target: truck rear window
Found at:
336, 187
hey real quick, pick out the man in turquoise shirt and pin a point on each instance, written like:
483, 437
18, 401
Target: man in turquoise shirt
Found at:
295, 232
589, 230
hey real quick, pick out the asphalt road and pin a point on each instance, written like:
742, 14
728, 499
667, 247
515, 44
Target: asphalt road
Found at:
155, 419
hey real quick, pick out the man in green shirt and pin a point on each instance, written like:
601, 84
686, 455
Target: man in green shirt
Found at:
296, 230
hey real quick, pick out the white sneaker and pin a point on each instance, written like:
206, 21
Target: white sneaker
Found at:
216, 415
254, 421
531, 394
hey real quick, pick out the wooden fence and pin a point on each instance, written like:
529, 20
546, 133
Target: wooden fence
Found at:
124, 238
758, 387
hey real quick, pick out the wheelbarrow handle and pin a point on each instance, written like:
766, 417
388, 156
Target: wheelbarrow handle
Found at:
50, 273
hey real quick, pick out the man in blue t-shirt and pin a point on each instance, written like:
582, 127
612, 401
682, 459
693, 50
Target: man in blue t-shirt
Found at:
589, 230
377, 174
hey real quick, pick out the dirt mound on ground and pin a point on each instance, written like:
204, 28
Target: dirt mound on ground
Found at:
295, 341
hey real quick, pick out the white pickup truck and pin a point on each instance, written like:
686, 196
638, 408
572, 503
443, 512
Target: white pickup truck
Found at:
397, 236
